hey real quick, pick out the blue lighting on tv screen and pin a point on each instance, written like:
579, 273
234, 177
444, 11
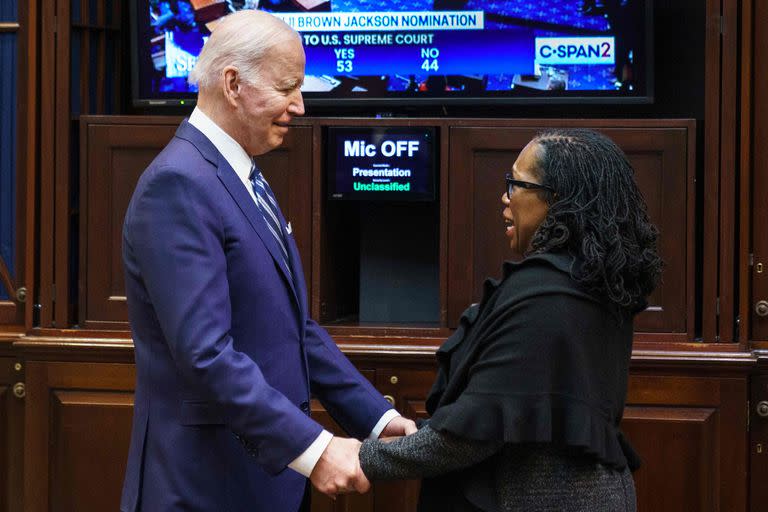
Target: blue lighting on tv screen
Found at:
438, 49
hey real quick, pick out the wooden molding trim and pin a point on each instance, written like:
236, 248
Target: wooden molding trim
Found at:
119, 349
9, 26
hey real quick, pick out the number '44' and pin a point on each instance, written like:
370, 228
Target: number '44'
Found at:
430, 65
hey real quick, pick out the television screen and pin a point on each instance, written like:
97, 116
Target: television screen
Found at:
387, 164
420, 50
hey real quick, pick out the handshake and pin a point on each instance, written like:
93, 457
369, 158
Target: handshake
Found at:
338, 470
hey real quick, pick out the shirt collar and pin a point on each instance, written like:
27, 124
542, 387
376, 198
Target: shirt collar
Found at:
232, 152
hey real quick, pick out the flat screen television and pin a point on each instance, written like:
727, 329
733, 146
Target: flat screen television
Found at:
381, 163
420, 51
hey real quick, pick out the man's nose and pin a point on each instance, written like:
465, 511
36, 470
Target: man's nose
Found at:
296, 107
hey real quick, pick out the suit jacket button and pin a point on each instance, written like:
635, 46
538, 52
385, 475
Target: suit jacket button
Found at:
304, 406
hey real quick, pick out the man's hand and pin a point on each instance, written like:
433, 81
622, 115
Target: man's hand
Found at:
338, 469
399, 426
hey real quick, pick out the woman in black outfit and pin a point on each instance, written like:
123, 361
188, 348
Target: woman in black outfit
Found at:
530, 390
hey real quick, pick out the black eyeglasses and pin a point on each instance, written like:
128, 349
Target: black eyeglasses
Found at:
512, 183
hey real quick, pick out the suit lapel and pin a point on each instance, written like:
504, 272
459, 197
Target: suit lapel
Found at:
246, 204
242, 198
298, 272
294, 259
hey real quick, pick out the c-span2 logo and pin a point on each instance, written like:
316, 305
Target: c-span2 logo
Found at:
575, 50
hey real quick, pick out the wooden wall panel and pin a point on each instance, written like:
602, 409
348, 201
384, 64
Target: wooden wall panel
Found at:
758, 443
11, 436
115, 153
116, 149
90, 434
690, 432
689, 427
78, 423
759, 185
660, 156
409, 388
683, 442
114, 156
5, 459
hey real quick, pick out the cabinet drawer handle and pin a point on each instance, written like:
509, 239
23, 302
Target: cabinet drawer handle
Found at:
19, 390
390, 399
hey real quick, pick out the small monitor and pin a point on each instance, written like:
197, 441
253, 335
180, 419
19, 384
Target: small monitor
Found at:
381, 164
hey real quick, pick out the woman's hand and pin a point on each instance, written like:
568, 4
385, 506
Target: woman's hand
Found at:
389, 439
399, 426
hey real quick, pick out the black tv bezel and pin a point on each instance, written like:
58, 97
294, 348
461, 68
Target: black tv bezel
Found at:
393, 103
329, 161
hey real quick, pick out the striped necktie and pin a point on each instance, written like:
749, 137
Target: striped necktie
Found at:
268, 206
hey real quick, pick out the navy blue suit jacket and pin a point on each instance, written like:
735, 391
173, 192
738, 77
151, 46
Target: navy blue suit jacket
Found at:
223, 345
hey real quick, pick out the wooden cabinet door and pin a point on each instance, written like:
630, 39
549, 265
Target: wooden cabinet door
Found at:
77, 431
114, 157
759, 194
11, 434
116, 150
663, 166
690, 433
758, 443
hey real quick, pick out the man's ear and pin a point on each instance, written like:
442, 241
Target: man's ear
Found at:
231, 85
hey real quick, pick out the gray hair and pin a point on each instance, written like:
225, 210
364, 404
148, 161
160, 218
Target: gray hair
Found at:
241, 40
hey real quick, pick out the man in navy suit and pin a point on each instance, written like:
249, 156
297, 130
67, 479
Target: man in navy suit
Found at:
226, 356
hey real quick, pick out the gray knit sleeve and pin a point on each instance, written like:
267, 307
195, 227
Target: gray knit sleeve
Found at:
426, 453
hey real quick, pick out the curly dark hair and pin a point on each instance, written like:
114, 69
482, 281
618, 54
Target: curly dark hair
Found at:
598, 215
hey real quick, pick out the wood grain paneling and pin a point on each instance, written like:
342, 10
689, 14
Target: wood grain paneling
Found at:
409, 387
728, 168
678, 447
690, 432
689, 425
29, 88
90, 434
759, 191
11, 436
78, 423
663, 169
115, 155
758, 443
5, 460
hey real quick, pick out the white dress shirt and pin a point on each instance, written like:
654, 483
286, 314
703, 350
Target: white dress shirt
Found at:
237, 157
